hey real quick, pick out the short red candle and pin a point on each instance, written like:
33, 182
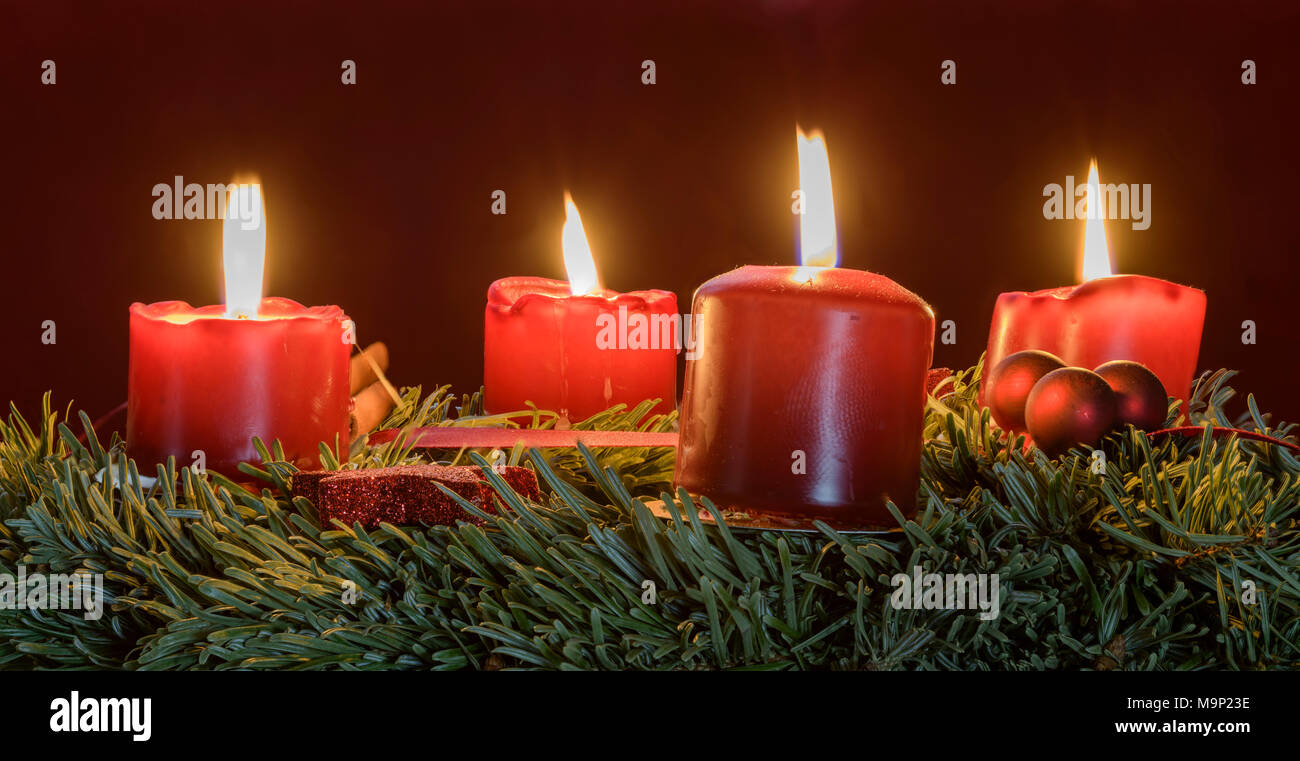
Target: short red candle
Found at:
1108, 317
202, 381
827, 362
545, 345
1143, 319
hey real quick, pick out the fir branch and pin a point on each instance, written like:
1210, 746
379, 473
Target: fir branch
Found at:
1140, 567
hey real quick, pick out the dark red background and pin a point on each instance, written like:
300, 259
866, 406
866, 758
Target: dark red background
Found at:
378, 195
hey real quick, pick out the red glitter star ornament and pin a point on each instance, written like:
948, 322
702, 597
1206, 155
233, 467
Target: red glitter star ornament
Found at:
522, 480
405, 494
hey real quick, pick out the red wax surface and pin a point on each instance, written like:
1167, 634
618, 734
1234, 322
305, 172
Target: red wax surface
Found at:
1134, 317
835, 368
540, 345
200, 381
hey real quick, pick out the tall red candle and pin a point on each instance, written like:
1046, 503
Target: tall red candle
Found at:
575, 348
822, 372
1143, 319
806, 395
204, 381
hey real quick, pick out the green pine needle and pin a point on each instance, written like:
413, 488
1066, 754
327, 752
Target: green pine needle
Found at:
1141, 566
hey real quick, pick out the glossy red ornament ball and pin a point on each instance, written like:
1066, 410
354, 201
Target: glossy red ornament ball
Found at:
1008, 385
1142, 398
1068, 407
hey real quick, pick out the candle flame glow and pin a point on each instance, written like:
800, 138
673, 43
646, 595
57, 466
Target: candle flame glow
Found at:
818, 246
1096, 255
578, 260
243, 249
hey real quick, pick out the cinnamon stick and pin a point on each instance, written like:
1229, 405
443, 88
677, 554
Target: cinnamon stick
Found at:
362, 371
369, 408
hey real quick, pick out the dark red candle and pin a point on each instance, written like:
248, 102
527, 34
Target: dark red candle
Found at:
807, 390
821, 372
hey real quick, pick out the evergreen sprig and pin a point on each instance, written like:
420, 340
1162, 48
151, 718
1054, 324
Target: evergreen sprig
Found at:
1141, 566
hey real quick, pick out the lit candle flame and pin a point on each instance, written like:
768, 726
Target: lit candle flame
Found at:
818, 246
243, 249
1096, 255
578, 261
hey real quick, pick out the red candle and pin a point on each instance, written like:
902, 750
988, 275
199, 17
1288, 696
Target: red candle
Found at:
208, 379
200, 381
807, 391
1133, 317
575, 348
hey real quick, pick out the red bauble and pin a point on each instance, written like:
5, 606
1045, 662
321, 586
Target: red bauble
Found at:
1008, 385
1070, 406
1143, 402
